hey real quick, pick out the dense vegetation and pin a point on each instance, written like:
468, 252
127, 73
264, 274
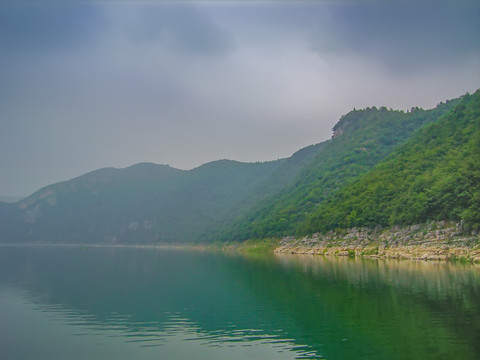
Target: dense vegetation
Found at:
434, 176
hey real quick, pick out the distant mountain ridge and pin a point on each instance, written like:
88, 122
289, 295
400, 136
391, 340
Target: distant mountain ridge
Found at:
146, 202
226, 200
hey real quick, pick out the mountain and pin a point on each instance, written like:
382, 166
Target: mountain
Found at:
362, 139
380, 167
90, 206
433, 176
146, 202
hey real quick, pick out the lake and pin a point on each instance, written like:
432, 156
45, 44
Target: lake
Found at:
140, 303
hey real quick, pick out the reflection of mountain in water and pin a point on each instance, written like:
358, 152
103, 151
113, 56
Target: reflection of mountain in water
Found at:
337, 308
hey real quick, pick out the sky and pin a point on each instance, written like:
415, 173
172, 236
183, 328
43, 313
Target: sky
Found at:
92, 84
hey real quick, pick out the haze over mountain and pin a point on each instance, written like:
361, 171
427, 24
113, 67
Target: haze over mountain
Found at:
11, 199
92, 84
229, 200
147, 202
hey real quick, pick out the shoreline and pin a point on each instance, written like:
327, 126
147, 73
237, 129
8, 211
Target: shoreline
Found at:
437, 241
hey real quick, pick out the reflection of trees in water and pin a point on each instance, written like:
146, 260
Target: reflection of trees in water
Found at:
428, 278
395, 309
418, 307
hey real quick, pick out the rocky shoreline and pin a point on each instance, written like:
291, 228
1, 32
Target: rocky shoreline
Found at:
431, 241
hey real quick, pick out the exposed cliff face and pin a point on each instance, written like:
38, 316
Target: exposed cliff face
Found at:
340, 126
337, 132
434, 241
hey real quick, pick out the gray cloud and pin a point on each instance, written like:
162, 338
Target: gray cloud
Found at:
181, 27
29, 26
404, 36
84, 86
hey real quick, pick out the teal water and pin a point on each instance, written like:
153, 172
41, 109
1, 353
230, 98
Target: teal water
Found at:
126, 303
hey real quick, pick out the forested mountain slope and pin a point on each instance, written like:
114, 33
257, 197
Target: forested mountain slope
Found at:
433, 176
362, 139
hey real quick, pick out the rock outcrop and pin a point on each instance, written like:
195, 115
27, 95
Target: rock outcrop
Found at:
432, 241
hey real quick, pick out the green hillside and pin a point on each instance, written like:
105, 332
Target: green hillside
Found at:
220, 227
433, 176
362, 139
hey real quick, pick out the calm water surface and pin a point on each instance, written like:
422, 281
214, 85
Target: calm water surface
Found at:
125, 303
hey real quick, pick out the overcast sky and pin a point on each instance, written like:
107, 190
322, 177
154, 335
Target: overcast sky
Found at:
85, 85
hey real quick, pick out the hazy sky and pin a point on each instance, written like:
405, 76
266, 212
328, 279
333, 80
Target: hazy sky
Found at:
85, 85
